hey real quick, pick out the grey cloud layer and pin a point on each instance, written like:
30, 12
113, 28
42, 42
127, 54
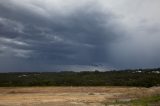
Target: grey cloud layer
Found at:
36, 35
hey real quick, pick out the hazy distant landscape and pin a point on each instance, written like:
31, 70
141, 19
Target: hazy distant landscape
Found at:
134, 78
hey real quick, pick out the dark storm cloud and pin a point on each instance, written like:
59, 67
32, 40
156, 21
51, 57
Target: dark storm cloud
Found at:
82, 37
78, 40
42, 35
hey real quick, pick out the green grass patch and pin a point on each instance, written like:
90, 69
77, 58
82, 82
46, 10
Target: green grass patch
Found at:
145, 101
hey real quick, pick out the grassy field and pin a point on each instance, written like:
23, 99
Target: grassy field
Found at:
139, 87
79, 96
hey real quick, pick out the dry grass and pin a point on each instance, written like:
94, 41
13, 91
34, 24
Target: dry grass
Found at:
70, 96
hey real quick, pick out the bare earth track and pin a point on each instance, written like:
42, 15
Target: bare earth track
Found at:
70, 96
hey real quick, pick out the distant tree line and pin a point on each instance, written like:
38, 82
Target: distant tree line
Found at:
137, 78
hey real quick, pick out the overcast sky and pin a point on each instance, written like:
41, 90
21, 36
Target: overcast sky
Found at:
41, 35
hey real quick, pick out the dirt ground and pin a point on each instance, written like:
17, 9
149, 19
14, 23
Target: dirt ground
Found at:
70, 96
